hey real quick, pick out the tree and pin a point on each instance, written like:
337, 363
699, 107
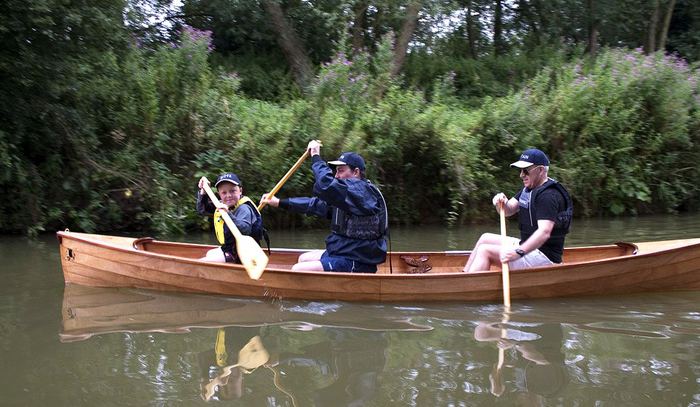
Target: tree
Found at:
471, 27
499, 44
666, 24
290, 43
52, 56
358, 26
407, 29
650, 44
593, 21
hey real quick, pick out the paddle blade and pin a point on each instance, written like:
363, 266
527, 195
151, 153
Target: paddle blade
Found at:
253, 354
252, 256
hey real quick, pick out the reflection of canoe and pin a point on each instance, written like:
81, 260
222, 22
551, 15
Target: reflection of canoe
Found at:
109, 261
90, 311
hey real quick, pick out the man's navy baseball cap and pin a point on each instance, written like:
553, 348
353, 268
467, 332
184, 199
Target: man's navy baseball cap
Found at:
531, 157
227, 177
350, 159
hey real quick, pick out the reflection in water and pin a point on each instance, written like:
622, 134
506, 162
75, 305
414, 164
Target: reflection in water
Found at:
296, 353
229, 382
341, 369
356, 359
338, 362
535, 360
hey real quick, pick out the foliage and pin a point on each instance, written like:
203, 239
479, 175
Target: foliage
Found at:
618, 130
104, 132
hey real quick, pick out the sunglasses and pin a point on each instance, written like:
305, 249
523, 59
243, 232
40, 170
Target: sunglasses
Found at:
526, 171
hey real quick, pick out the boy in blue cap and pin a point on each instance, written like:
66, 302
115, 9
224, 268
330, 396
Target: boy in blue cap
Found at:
357, 211
243, 212
544, 210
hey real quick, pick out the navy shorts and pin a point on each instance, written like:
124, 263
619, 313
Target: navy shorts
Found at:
334, 263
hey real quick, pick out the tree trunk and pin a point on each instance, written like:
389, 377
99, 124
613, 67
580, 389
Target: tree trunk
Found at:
528, 18
592, 43
292, 47
471, 37
498, 45
358, 26
667, 23
651, 32
401, 47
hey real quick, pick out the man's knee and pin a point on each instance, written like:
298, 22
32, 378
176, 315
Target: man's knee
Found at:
314, 255
308, 266
490, 251
490, 238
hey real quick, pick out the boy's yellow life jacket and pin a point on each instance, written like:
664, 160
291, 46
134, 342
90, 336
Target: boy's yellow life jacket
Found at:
219, 219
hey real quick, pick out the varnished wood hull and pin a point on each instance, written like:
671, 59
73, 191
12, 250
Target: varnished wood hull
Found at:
108, 261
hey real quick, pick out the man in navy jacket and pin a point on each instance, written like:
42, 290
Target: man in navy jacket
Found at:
357, 211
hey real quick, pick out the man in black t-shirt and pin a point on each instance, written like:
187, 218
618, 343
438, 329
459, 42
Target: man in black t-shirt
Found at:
544, 210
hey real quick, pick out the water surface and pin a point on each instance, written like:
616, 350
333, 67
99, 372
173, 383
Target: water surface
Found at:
85, 347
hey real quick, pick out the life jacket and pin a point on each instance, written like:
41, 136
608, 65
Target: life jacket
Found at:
527, 215
257, 232
371, 227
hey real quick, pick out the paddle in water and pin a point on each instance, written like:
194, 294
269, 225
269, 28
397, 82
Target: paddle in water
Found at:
497, 385
505, 273
249, 251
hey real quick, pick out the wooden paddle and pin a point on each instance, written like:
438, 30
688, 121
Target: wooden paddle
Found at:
284, 179
252, 256
250, 357
505, 273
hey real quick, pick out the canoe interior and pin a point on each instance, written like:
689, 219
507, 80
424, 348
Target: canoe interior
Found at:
397, 262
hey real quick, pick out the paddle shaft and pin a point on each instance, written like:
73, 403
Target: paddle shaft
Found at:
505, 273
285, 178
224, 214
249, 252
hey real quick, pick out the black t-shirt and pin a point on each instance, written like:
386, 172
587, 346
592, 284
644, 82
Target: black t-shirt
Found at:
548, 203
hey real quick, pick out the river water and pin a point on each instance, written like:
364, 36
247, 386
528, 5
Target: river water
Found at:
77, 346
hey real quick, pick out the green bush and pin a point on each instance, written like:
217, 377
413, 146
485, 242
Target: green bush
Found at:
622, 131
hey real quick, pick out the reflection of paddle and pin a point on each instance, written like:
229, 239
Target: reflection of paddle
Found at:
252, 256
250, 357
505, 274
285, 178
497, 385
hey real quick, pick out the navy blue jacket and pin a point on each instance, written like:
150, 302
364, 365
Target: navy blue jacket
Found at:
355, 196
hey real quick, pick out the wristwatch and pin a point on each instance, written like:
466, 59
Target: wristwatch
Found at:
520, 252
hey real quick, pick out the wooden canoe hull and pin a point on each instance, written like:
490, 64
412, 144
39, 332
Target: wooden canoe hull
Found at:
109, 261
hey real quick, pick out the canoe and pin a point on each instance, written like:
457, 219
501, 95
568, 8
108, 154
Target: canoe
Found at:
113, 261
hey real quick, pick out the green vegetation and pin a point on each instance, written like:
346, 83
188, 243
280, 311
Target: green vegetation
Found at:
108, 127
